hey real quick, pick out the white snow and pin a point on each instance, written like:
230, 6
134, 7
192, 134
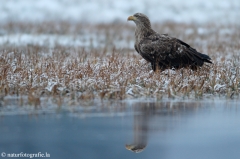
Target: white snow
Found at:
105, 11
51, 84
44, 39
52, 40
217, 87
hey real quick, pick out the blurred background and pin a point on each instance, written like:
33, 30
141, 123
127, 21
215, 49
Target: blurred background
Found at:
108, 11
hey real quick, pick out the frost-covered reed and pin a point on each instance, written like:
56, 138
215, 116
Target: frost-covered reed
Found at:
113, 70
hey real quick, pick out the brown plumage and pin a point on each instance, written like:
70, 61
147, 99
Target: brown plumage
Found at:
163, 51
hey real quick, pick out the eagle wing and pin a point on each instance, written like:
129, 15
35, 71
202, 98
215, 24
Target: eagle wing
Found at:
170, 52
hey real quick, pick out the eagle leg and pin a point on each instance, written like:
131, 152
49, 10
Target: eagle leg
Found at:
153, 64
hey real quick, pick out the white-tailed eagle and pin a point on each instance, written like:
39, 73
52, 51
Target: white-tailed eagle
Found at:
163, 51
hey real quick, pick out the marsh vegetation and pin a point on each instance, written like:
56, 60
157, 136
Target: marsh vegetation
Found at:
97, 61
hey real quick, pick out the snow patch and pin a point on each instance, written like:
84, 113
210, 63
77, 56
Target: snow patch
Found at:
105, 11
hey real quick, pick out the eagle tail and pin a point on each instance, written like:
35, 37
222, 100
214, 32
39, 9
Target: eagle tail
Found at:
199, 57
203, 57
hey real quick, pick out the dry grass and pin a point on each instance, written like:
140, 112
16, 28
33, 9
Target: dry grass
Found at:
110, 71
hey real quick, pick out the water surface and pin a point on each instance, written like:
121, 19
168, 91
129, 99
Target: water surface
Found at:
123, 129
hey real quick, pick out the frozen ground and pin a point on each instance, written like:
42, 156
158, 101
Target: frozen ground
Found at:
104, 11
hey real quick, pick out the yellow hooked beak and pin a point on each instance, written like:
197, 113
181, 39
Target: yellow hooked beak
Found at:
131, 18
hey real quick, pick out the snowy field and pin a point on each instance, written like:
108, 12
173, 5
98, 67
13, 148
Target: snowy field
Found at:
17, 17
83, 50
105, 11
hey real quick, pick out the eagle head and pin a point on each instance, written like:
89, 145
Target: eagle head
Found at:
140, 19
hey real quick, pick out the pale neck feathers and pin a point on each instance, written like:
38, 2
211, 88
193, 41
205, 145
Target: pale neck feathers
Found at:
143, 30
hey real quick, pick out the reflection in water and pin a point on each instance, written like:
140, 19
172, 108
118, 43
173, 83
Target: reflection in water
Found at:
146, 111
140, 130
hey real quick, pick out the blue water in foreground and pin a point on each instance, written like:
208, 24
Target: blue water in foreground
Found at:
168, 130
